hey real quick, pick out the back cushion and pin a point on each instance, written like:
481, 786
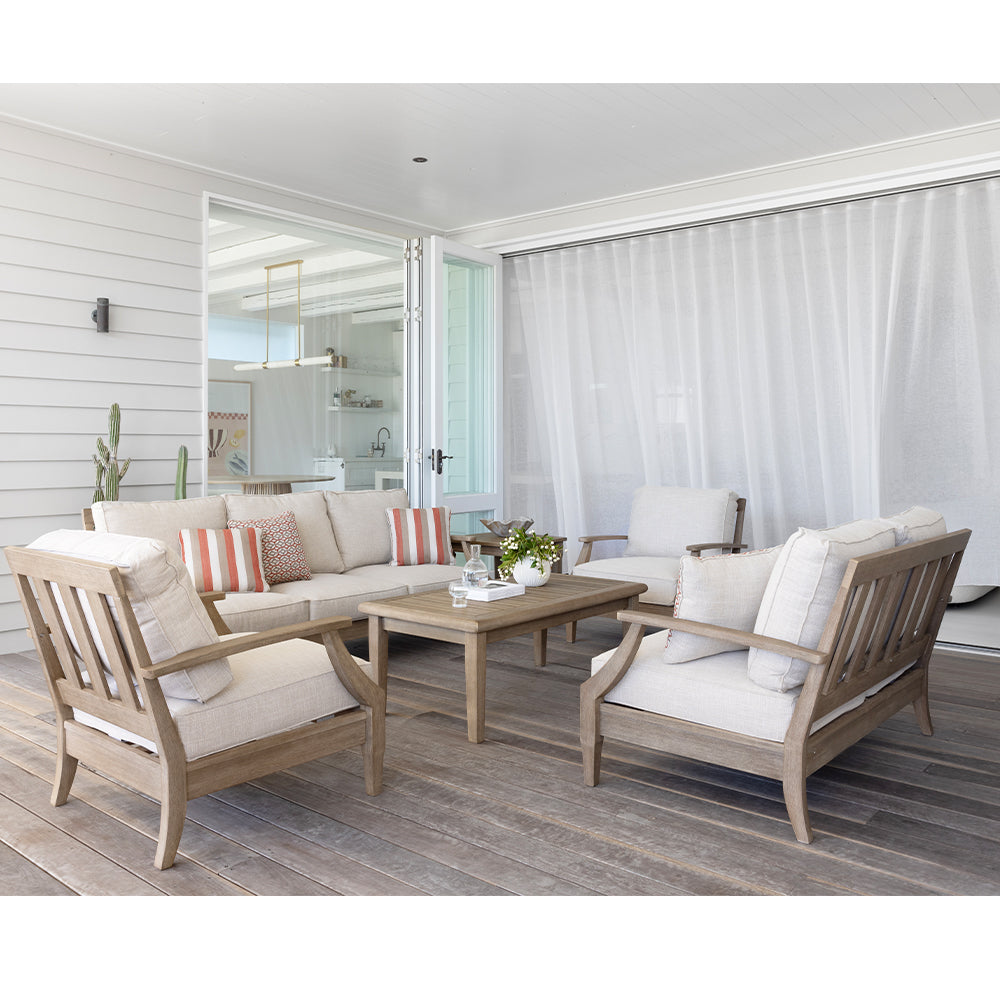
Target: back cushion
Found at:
917, 524
169, 612
667, 519
159, 519
801, 590
311, 519
360, 524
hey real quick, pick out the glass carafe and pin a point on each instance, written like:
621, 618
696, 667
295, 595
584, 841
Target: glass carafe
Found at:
474, 572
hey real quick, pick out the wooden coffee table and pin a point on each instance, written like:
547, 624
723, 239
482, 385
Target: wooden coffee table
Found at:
563, 599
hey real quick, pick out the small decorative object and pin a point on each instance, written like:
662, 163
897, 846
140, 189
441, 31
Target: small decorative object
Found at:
528, 557
459, 594
503, 528
109, 472
180, 484
474, 572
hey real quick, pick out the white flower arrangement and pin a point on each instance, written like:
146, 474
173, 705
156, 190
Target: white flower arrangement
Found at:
521, 544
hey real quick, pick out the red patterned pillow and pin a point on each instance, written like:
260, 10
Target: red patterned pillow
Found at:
223, 559
420, 536
284, 557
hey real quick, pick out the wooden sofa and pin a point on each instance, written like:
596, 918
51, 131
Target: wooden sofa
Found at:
870, 661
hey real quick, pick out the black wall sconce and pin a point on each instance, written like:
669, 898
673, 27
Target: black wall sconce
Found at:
100, 315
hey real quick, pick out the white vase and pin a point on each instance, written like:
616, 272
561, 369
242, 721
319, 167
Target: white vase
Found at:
525, 573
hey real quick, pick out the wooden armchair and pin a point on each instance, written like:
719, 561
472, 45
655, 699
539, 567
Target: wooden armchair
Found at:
665, 523
220, 712
870, 662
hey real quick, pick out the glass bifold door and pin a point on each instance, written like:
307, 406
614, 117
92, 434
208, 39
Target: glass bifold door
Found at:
341, 359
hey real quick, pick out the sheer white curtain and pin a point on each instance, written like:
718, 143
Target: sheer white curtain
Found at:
829, 363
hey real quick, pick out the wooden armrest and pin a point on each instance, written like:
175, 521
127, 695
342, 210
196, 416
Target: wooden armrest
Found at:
588, 545
241, 643
728, 634
211, 596
698, 546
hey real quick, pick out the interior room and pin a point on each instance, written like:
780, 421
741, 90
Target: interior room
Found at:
509, 300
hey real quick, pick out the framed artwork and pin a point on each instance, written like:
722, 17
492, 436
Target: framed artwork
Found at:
229, 427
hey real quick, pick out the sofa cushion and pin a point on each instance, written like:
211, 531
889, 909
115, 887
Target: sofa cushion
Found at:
331, 594
713, 691
665, 520
917, 524
274, 689
360, 525
256, 612
282, 555
419, 536
311, 519
718, 590
658, 573
159, 519
416, 579
226, 559
801, 590
170, 614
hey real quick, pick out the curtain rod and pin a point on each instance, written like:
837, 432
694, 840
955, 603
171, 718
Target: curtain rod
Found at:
752, 214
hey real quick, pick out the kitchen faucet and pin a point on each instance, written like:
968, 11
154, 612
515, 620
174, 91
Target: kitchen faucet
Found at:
379, 445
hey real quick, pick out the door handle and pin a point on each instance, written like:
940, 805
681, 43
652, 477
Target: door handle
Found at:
437, 458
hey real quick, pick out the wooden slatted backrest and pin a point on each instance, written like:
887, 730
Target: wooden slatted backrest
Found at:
886, 616
83, 627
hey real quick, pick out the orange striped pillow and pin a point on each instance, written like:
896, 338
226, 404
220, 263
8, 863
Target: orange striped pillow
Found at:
226, 559
420, 536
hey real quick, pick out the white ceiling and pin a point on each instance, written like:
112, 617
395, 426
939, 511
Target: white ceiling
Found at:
494, 151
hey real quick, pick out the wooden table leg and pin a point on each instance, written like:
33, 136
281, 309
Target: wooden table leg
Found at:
541, 646
475, 687
378, 650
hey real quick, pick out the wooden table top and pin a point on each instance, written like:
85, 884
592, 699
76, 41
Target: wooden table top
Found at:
561, 595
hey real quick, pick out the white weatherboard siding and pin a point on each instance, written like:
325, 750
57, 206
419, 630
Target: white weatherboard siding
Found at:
79, 220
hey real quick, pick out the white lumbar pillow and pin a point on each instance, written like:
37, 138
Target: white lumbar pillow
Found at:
800, 593
718, 590
917, 524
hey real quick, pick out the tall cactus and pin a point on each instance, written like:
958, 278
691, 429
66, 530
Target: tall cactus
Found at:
180, 486
109, 472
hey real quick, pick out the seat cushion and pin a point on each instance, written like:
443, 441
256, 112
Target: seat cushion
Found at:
658, 573
360, 524
256, 612
274, 689
331, 594
415, 579
713, 691
159, 519
170, 614
665, 520
718, 590
801, 590
311, 520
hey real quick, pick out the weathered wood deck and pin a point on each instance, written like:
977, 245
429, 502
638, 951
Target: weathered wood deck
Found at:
898, 814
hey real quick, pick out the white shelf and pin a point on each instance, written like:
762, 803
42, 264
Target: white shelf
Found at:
362, 371
361, 409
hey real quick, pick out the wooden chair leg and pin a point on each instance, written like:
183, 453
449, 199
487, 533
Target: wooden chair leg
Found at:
591, 741
922, 709
65, 771
794, 787
173, 810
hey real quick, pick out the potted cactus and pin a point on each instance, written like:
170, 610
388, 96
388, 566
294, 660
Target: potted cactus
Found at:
109, 472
